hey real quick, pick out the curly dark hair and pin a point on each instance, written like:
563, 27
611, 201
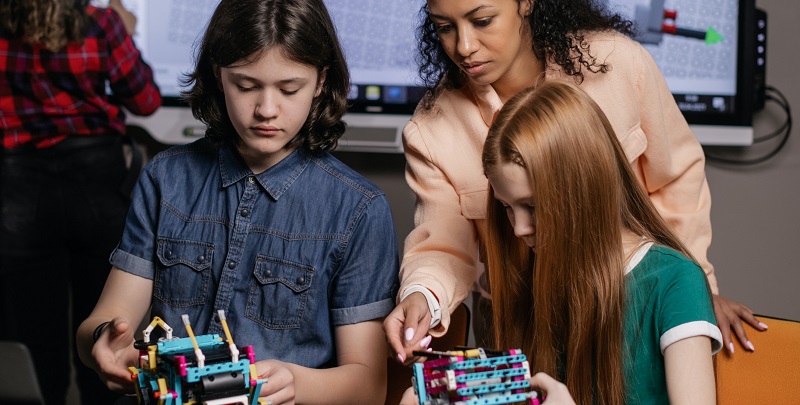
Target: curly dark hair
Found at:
53, 24
557, 30
238, 31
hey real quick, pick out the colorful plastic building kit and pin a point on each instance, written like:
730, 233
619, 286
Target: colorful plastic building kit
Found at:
473, 377
195, 370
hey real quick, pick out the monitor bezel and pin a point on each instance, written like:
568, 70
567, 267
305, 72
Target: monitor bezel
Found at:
744, 99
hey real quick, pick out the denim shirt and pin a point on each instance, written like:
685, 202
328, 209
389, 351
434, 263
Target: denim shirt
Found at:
289, 254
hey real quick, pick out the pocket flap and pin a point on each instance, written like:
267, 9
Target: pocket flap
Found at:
293, 275
634, 143
473, 203
197, 255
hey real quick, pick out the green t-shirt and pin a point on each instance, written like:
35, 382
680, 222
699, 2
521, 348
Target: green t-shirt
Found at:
668, 299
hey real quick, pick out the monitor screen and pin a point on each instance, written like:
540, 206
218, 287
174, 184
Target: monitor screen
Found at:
379, 44
377, 38
703, 49
698, 45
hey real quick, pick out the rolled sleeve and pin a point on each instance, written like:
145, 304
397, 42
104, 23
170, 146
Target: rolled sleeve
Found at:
365, 286
135, 252
362, 313
132, 264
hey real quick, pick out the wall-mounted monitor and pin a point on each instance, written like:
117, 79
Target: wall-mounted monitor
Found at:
706, 53
378, 41
703, 48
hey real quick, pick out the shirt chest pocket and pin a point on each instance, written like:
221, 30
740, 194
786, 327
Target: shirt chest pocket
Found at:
634, 143
473, 203
279, 293
183, 272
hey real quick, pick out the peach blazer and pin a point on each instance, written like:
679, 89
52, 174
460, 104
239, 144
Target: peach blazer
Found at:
443, 149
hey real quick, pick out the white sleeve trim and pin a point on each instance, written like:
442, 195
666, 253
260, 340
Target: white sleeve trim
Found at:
433, 304
692, 329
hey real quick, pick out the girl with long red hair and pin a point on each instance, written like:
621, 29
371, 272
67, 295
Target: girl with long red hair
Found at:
586, 276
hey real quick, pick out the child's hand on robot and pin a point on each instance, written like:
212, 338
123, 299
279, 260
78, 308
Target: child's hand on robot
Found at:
279, 388
553, 391
409, 397
113, 353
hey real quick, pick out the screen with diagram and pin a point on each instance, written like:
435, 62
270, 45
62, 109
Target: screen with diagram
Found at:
695, 44
377, 37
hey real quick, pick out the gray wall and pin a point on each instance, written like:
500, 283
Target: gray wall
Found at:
756, 209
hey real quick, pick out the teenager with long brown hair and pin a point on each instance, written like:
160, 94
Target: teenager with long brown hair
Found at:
586, 276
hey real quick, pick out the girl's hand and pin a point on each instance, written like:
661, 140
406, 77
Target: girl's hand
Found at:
729, 316
554, 392
279, 388
113, 353
409, 397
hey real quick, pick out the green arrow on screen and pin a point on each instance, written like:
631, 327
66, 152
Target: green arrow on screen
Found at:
713, 37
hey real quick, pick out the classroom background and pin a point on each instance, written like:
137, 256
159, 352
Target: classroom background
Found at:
755, 208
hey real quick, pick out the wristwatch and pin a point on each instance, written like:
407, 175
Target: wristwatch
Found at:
433, 303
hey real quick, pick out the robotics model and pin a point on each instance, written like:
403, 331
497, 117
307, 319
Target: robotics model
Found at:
473, 377
202, 370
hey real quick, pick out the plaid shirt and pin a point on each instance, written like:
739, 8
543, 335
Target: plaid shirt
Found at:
46, 96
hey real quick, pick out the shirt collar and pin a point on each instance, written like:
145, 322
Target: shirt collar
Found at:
486, 99
637, 257
488, 102
275, 180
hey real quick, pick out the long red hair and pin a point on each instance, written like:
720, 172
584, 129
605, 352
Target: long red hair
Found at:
564, 305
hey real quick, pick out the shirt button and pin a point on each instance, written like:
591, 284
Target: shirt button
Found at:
245, 212
268, 273
251, 180
168, 254
231, 265
201, 259
301, 280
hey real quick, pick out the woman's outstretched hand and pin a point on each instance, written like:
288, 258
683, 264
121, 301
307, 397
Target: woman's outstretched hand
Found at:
729, 316
407, 327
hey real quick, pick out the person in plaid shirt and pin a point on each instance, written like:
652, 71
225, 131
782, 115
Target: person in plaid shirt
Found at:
62, 171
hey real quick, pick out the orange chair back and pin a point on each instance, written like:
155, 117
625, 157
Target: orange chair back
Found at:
768, 375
